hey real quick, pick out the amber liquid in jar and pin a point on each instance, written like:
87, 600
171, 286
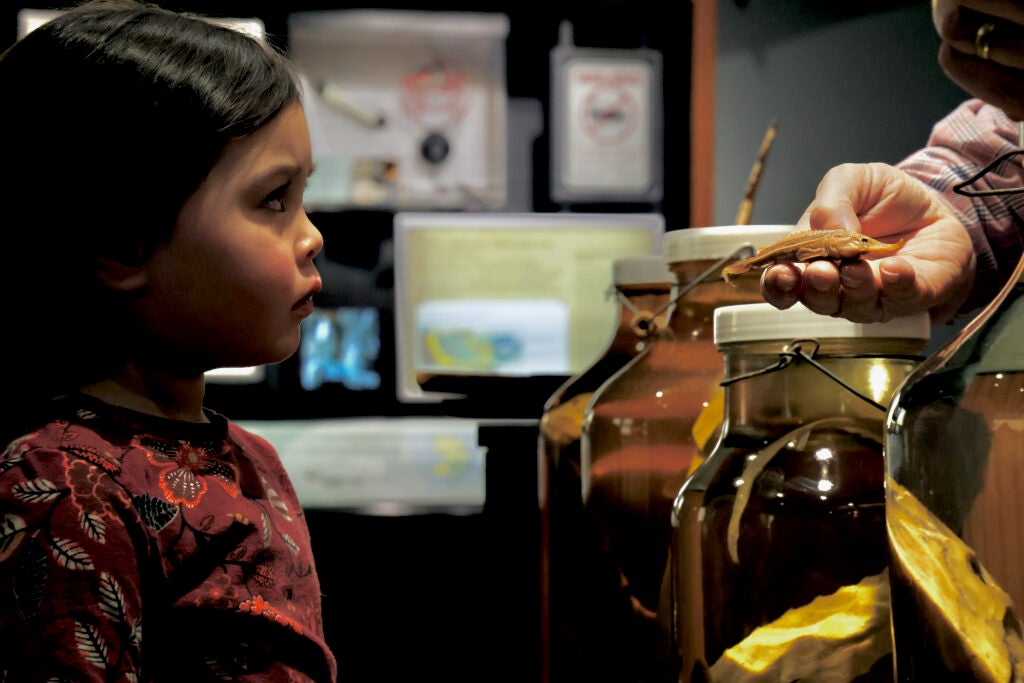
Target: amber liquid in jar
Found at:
638, 433
646, 449
576, 575
833, 545
786, 522
641, 438
956, 476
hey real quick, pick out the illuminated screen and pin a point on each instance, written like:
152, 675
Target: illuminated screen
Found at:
340, 346
507, 294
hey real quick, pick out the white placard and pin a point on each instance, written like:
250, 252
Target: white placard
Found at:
606, 125
381, 466
608, 134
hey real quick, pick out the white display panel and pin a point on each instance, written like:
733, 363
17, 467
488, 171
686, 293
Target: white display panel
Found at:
407, 109
381, 466
606, 125
507, 294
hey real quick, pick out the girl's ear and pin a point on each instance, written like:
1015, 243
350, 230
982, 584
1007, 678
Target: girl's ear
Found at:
122, 274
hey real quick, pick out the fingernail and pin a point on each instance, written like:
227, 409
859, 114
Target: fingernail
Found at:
849, 282
888, 277
786, 281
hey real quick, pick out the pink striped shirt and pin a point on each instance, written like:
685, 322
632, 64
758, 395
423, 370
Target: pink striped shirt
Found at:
962, 143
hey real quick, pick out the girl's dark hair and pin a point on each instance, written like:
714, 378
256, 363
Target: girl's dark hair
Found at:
112, 113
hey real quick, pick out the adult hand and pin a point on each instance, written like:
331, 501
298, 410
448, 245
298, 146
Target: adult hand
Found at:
933, 270
989, 64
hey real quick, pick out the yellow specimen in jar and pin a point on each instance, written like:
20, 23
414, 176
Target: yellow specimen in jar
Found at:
980, 633
563, 424
832, 639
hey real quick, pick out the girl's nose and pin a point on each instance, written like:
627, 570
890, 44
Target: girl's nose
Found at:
311, 243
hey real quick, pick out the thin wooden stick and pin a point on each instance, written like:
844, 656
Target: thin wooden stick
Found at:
747, 205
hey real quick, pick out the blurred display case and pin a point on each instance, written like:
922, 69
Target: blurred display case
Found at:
406, 109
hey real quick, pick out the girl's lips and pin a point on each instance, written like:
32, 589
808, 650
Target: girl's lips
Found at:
304, 307
306, 302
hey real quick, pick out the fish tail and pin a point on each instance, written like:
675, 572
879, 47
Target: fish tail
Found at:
734, 269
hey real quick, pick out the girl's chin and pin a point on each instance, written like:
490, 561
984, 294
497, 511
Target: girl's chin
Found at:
282, 353
283, 348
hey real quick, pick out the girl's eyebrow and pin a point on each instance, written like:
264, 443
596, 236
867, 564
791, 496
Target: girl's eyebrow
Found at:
289, 170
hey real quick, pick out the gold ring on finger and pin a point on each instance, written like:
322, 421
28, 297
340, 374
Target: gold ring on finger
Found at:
981, 39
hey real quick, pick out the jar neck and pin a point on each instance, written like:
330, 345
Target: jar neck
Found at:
800, 392
692, 314
744, 289
638, 303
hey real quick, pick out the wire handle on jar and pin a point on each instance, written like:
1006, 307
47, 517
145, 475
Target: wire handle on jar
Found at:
791, 352
646, 319
964, 187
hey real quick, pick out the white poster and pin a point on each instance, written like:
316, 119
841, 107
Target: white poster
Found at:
608, 126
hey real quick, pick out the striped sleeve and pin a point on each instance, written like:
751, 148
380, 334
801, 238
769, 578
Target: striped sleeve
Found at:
960, 145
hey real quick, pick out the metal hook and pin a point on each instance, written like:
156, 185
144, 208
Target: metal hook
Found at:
961, 188
647, 322
789, 353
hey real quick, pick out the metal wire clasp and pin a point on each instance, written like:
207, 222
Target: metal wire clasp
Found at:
646, 320
790, 353
963, 188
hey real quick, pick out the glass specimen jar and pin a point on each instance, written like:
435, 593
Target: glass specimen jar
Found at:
642, 286
779, 552
955, 458
641, 437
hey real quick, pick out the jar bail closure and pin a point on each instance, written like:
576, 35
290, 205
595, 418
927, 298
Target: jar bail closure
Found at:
646, 320
793, 351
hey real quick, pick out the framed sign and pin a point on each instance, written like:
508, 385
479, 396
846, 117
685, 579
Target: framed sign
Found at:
606, 141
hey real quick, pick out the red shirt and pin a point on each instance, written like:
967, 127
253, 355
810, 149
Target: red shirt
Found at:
135, 548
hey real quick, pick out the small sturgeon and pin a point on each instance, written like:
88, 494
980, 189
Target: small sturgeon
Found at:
809, 245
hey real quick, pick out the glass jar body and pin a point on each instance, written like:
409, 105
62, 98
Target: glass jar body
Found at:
783, 525
642, 435
565, 528
955, 461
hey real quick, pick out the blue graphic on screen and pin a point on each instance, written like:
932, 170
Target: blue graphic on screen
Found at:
340, 346
522, 336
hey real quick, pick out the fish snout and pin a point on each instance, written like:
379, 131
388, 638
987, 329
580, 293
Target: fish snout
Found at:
864, 245
879, 247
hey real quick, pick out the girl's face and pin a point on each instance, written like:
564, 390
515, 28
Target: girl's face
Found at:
236, 278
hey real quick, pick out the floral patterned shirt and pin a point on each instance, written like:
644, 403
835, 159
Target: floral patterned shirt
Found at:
960, 145
135, 548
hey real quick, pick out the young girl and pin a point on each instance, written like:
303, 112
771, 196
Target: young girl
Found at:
154, 230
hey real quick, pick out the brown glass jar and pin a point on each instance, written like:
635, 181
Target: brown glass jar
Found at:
640, 439
779, 552
955, 459
642, 286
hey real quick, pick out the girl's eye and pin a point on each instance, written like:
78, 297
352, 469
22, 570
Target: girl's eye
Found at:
275, 200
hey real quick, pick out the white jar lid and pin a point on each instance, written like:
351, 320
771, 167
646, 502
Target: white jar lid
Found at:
641, 269
764, 322
720, 241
